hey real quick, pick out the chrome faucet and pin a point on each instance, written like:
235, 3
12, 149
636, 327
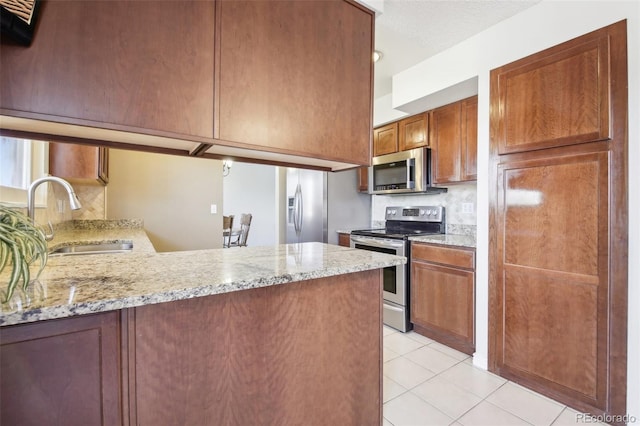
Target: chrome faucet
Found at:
74, 203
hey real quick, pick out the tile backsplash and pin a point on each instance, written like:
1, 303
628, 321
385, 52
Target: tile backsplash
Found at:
458, 221
92, 197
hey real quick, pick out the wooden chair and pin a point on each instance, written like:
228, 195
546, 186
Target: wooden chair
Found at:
243, 233
227, 230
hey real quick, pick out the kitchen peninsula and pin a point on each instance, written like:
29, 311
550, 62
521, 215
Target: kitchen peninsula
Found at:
258, 335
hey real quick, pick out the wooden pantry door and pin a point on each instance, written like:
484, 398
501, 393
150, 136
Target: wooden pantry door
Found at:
558, 222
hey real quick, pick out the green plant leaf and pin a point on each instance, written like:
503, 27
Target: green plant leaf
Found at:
21, 244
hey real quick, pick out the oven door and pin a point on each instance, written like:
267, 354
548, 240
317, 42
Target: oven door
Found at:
394, 277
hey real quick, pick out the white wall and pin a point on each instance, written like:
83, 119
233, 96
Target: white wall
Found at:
542, 26
347, 208
251, 188
383, 112
172, 194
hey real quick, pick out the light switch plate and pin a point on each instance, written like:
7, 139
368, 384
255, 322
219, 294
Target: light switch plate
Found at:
214, 209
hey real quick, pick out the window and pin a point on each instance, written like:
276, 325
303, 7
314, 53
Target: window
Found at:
21, 162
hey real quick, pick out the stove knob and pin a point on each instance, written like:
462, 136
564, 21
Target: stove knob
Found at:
393, 212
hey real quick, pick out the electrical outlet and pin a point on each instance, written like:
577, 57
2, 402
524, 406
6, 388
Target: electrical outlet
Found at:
214, 209
60, 206
467, 208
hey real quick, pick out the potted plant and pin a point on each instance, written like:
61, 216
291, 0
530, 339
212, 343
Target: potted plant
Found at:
21, 244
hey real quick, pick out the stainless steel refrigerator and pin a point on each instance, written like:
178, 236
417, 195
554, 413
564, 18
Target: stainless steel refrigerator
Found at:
306, 206
320, 203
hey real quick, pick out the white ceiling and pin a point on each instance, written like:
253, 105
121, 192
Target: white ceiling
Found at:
410, 31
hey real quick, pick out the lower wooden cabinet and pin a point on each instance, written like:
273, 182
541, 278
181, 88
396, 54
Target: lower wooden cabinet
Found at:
344, 239
442, 294
64, 371
248, 357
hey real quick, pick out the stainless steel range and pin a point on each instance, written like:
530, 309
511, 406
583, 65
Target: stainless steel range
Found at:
401, 223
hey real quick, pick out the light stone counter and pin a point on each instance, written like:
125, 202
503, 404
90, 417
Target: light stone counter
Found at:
79, 232
342, 231
447, 239
84, 284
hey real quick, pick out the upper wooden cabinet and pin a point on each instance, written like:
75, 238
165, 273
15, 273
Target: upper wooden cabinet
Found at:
81, 163
453, 139
408, 133
553, 101
116, 65
385, 139
469, 133
413, 132
275, 81
363, 179
295, 77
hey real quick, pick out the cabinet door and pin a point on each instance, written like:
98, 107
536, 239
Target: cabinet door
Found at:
445, 136
295, 77
559, 226
363, 179
413, 132
64, 371
554, 100
344, 240
442, 304
125, 65
82, 163
385, 139
552, 288
469, 148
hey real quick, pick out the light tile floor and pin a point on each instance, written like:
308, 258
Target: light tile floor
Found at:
426, 383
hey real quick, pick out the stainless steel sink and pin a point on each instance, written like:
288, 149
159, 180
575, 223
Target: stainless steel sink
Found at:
98, 248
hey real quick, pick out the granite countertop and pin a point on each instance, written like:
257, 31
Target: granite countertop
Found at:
460, 240
84, 284
79, 232
447, 239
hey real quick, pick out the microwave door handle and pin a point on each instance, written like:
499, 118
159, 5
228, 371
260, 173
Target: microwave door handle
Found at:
411, 163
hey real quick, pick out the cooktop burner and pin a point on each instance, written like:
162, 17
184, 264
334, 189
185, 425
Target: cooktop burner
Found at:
404, 222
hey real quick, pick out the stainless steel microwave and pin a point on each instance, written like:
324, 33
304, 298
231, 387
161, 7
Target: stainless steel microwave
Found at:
402, 172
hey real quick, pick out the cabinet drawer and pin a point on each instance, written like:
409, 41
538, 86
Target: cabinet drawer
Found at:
449, 256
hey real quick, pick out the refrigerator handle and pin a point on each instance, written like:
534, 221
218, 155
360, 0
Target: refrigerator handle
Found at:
297, 210
300, 212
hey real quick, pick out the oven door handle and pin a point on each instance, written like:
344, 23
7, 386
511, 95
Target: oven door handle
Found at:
375, 243
392, 308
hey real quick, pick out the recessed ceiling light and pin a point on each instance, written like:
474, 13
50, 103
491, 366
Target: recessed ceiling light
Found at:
377, 55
